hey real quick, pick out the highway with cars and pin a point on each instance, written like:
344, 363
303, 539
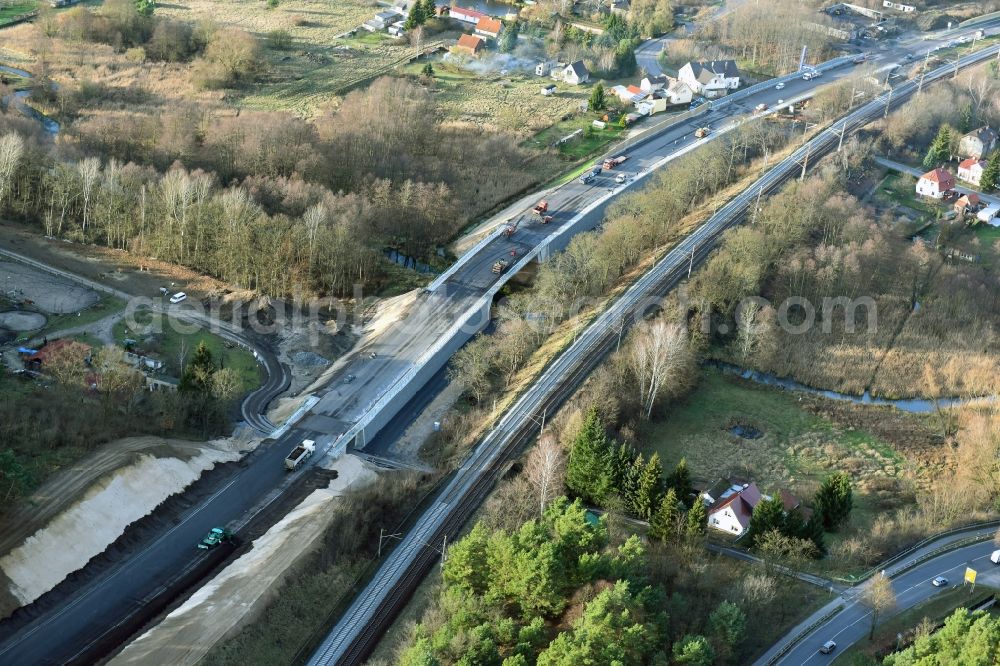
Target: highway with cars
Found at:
912, 585
360, 627
388, 372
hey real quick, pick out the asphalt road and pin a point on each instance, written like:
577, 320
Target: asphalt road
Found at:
361, 625
56, 635
911, 587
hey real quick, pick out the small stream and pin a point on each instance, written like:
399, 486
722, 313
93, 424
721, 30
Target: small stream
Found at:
911, 405
20, 102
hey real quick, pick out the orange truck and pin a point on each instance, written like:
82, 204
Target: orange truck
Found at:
612, 162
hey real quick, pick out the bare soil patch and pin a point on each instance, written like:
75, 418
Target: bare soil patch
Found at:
44, 291
21, 321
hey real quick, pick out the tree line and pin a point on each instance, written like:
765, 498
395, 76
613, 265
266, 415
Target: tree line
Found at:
506, 594
268, 202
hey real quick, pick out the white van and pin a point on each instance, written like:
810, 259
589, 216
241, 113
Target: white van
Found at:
995, 557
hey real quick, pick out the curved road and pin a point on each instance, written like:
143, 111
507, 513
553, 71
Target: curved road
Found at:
911, 586
254, 406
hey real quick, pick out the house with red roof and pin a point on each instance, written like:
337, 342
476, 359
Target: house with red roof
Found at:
731, 513
730, 505
967, 203
470, 45
489, 27
935, 183
466, 15
971, 170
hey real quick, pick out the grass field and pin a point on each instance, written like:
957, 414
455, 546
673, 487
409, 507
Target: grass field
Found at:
796, 450
12, 11
510, 101
106, 306
167, 345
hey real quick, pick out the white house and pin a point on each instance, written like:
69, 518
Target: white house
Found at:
971, 170
712, 79
373, 25
977, 143
651, 83
678, 92
990, 215
543, 68
731, 513
935, 183
575, 73
466, 15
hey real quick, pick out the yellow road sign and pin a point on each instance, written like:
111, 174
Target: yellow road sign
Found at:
970, 575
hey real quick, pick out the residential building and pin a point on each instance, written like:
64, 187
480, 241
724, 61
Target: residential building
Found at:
489, 27
651, 83
678, 92
373, 25
470, 45
967, 203
731, 514
397, 29
990, 215
544, 67
971, 170
466, 15
712, 79
574, 73
935, 183
63, 348
977, 143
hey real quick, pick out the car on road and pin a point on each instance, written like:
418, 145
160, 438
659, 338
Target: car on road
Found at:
178, 297
216, 536
828, 647
621, 178
939, 581
760, 107
780, 86
349, 378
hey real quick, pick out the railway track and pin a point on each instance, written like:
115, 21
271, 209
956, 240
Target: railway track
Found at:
357, 633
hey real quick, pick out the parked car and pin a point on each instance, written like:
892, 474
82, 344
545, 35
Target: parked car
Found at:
621, 178
780, 86
828, 647
178, 297
940, 581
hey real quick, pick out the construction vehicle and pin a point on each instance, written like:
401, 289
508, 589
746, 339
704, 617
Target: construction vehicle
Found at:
216, 536
511, 227
701, 132
612, 162
500, 265
299, 453
541, 207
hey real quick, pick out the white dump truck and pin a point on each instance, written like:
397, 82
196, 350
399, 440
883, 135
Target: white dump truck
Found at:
299, 453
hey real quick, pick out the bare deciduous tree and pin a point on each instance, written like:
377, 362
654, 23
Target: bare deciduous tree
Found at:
11, 150
546, 470
659, 356
879, 597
